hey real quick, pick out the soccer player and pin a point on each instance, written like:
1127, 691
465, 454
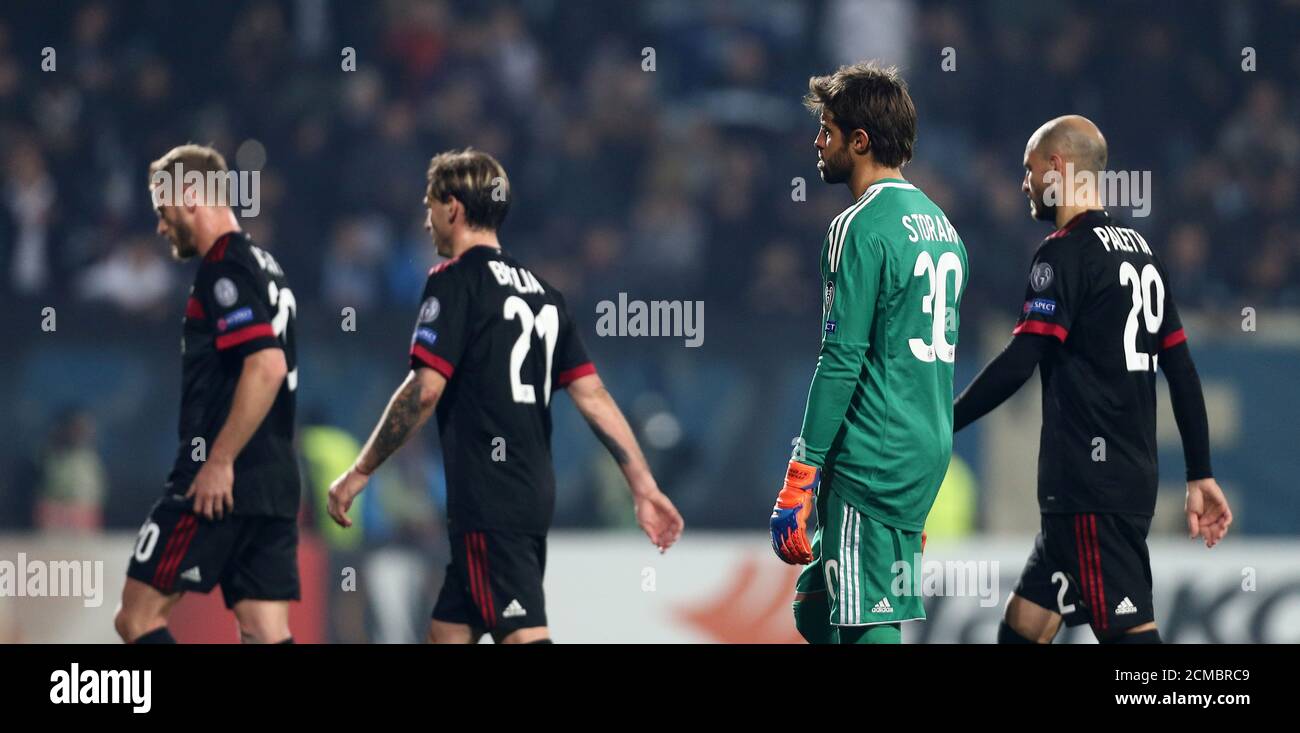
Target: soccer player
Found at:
492, 344
1098, 317
877, 431
228, 510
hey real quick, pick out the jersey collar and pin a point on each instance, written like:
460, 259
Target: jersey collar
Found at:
1074, 222
217, 251
886, 183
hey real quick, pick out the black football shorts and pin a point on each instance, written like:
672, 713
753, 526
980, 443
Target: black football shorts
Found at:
1092, 568
494, 582
252, 557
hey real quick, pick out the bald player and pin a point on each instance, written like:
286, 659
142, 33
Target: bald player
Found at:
1098, 318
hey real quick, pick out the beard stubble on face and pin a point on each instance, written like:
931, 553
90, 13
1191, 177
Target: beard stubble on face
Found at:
182, 240
1039, 210
836, 166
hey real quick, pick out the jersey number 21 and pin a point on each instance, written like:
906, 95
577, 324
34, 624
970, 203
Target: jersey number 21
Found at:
547, 325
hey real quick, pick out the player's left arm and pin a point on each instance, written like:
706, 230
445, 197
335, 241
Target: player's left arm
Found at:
1208, 513
1057, 284
855, 272
1001, 378
855, 268
436, 348
244, 331
259, 382
408, 409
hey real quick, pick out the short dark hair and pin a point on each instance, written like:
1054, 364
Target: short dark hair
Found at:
873, 98
477, 181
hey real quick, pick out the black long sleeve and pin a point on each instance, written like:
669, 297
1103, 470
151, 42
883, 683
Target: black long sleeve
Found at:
1189, 409
999, 380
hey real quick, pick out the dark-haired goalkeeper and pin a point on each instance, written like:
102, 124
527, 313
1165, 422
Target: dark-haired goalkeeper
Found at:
877, 433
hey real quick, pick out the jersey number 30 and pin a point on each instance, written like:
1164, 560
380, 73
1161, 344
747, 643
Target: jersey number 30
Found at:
547, 325
936, 304
1152, 306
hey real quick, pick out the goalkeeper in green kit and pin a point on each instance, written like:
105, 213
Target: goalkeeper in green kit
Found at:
877, 432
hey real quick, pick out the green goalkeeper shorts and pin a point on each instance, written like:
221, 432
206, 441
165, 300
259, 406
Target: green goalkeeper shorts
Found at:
863, 564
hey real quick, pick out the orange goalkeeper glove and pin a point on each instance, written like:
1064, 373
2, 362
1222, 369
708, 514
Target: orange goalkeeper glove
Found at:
790, 515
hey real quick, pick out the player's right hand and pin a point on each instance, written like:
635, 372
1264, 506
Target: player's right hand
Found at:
790, 515
659, 519
1208, 513
344, 489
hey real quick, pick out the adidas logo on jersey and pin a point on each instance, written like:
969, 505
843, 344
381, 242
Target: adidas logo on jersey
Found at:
882, 607
192, 575
513, 610
1125, 607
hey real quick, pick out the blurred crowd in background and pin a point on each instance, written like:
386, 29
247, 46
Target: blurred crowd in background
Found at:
654, 148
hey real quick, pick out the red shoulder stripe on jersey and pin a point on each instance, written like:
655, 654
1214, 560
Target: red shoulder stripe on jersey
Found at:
247, 333
194, 309
1041, 328
1072, 223
569, 375
432, 360
218, 250
443, 265
1173, 339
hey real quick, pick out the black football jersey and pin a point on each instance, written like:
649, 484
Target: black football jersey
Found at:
1096, 285
504, 340
240, 304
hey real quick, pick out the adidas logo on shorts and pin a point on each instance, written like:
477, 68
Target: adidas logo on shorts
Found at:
513, 610
192, 575
1125, 607
882, 607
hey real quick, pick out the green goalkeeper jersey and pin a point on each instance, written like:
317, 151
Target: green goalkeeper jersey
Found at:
879, 415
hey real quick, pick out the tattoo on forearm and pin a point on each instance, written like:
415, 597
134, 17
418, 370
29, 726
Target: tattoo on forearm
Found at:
616, 450
402, 416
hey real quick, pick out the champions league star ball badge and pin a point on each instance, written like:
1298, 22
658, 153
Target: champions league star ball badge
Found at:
829, 297
225, 292
429, 310
1040, 277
